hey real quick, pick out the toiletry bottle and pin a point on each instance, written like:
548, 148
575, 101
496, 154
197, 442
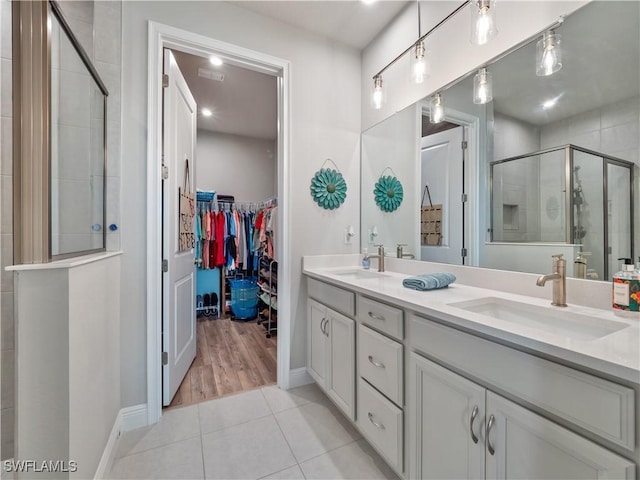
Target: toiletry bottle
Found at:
626, 290
366, 260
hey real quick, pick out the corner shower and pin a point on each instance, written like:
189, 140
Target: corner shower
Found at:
567, 195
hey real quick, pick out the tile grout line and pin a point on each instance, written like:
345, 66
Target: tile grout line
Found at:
204, 470
156, 447
289, 445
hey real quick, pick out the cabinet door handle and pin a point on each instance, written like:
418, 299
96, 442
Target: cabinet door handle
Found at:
376, 424
492, 420
322, 325
326, 327
474, 414
375, 363
376, 317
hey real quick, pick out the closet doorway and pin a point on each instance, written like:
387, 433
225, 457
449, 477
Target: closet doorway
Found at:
233, 176
162, 37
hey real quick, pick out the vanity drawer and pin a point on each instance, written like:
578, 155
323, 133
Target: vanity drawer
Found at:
380, 316
340, 300
596, 405
380, 362
380, 421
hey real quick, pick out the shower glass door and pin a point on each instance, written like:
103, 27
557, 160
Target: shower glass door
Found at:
619, 215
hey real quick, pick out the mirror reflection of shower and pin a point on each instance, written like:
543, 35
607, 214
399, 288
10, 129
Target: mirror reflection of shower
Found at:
580, 204
587, 216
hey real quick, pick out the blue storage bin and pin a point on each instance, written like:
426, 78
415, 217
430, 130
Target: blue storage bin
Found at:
244, 298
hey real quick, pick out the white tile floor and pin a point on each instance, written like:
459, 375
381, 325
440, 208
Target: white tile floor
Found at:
261, 434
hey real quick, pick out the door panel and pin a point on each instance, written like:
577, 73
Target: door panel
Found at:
441, 404
442, 170
529, 446
178, 283
317, 355
341, 385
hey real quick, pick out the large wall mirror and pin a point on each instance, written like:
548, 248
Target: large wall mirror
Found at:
550, 165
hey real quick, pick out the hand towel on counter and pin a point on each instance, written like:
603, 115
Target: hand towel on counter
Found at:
429, 281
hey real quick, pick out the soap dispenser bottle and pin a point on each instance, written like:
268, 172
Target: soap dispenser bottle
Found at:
626, 290
366, 259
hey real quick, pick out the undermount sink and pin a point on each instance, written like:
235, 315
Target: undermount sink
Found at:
359, 274
550, 320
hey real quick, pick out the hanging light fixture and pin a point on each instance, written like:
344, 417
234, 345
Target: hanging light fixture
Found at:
378, 95
419, 64
483, 22
548, 54
436, 111
482, 87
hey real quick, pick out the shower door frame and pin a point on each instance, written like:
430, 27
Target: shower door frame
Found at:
568, 191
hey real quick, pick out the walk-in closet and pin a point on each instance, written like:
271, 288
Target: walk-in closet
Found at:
234, 229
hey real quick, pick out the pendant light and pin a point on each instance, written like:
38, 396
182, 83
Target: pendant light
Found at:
378, 94
436, 110
482, 87
419, 64
483, 22
548, 54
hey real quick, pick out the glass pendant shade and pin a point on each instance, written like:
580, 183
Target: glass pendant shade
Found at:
436, 111
482, 87
419, 68
483, 22
548, 54
378, 96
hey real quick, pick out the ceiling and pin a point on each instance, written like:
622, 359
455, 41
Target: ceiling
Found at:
244, 103
597, 69
351, 22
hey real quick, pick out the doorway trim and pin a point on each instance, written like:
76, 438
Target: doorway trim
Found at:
472, 170
164, 36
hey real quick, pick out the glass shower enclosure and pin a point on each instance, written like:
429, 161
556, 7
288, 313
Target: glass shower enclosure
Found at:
568, 195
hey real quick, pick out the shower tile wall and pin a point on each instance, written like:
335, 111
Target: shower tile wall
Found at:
613, 130
102, 41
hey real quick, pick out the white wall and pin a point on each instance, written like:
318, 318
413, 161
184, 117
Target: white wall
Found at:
235, 165
325, 122
68, 387
452, 54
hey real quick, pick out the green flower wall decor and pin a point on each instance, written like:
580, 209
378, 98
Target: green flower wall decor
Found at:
328, 188
388, 193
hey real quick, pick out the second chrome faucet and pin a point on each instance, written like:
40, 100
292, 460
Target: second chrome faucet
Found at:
380, 257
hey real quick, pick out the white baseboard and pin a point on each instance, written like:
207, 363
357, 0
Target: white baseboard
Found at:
299, 377
108, 455
134, 417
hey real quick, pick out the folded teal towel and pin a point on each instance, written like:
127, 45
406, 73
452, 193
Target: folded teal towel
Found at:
429, 281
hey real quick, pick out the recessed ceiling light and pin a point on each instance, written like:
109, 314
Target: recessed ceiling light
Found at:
206, 112
368, 2
549, 103
216, 61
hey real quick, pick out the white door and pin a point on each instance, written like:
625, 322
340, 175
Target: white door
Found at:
442, 170
178, 282
523, 445
447, 417
317, 344
342, 361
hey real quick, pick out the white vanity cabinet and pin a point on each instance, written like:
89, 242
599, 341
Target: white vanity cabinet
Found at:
463, 430
331, 347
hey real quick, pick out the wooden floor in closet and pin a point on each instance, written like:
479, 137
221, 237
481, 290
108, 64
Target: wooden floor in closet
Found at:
231, 357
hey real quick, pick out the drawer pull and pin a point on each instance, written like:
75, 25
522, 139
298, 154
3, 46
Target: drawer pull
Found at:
375, 363
376, 424
492, 420
322, 326
376, 317
474, 414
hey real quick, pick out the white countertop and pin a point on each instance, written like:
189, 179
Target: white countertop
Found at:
616, 354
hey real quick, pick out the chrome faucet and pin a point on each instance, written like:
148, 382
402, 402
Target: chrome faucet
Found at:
559, 277
401, 254
380, 257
